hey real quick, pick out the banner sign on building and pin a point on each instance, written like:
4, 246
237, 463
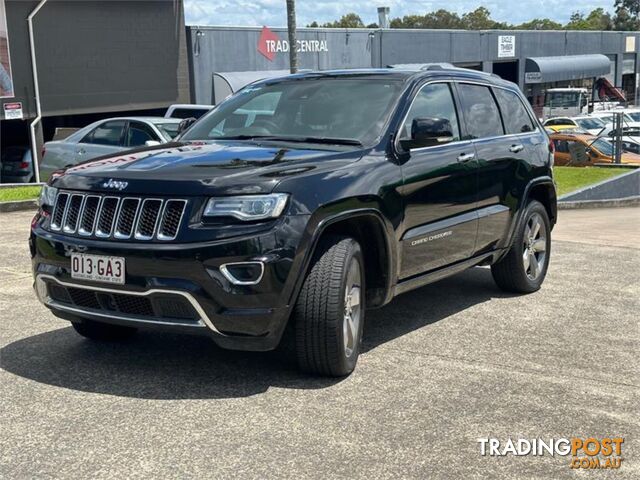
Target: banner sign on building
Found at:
270, 44
506, 46
6, 82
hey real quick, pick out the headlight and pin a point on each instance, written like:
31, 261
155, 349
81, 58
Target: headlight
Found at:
247, 207
47, 196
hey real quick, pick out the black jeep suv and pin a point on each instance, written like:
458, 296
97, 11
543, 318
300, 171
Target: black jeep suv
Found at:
298, 203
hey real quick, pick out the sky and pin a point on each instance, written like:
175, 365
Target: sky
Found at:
273, 12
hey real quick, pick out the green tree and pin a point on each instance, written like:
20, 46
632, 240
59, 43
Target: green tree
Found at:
627, 15
598, 19
539, 24
350, 20
480, 19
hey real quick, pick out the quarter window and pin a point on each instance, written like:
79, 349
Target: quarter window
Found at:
514, 113
433, 101
481, 113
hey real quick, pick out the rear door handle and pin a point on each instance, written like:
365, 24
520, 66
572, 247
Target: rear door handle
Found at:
466, 157
516, 148
82, 151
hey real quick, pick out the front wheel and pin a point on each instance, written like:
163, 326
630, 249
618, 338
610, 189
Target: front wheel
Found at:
329, 313
525, 266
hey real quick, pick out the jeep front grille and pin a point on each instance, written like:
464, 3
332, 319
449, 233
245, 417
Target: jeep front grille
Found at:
108, 216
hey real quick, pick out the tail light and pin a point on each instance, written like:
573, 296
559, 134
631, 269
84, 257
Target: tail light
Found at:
23, 165
552, 147
44, 150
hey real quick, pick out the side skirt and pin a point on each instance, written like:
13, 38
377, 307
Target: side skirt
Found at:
431, 277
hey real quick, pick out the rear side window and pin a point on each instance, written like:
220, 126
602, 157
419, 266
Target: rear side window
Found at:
433, 101
514, 113
109, 133
481, 114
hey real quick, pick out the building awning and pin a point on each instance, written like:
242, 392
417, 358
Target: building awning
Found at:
568, 67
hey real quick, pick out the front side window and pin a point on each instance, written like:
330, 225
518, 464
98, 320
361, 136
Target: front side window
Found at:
350, 108
139, 133
433, 101
480, 112
514, 113
108, 133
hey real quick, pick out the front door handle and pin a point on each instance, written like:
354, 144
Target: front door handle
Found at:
466, 157
82, 151
516, 148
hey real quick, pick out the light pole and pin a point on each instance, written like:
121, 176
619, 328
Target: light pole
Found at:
291, 27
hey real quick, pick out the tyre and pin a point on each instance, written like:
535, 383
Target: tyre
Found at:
103, 331
329, 314
524, 267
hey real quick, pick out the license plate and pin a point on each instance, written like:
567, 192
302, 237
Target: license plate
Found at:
98, 268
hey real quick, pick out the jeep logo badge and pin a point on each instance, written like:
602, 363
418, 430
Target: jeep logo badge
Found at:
118, 185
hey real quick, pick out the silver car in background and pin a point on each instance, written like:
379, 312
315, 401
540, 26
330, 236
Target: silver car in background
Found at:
105, 137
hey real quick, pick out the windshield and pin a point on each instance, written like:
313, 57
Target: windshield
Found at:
562, 99
354, 110
169, 130
589, 123
635, 116
603, 147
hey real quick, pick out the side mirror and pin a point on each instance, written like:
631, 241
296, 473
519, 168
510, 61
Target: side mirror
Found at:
185, 124
427, 132
152, 143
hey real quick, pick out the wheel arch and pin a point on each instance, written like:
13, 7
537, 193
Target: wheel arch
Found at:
372, 231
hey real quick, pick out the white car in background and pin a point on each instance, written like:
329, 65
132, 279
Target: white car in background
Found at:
105, 137
187, 110
630, 135
585, 122
607, 116
634, 113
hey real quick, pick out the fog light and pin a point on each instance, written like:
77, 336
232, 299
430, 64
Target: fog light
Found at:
243, 273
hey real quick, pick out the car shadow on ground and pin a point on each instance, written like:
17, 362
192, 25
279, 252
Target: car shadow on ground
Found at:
156, 365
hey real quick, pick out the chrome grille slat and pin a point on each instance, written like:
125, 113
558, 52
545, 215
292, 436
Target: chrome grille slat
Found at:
58, 212
89, 215
120, 218
148, 219
171, 218
107, 216
126, 218
72, 213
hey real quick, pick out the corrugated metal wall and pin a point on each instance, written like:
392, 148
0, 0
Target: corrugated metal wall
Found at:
227, 49
235, 49
100, 56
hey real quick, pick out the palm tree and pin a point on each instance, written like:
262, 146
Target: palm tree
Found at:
291, 26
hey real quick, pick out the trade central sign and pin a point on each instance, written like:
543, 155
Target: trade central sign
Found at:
270, 44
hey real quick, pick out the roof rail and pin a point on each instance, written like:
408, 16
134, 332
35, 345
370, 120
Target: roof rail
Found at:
438, 66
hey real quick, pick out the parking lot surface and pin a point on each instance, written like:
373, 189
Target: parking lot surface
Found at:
443, 366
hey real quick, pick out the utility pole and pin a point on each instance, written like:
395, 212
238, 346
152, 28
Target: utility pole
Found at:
291, 27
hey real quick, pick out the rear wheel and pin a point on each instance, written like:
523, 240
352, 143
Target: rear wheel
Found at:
524, 267
329, 313
103, 331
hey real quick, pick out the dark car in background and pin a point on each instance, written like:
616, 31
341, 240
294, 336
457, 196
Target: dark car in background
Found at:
297, 204
16, 165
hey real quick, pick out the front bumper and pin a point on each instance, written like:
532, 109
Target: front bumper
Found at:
179, 287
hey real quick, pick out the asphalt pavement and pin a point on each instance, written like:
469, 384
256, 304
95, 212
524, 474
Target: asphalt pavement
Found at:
443, 366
